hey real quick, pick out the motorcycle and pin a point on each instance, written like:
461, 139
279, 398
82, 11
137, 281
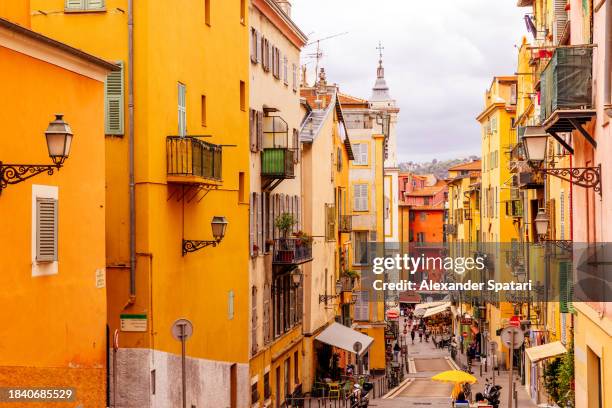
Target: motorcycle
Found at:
359, 397
492, 393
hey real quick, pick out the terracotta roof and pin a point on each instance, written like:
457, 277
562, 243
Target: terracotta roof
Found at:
473, 165
310, 94
348, 99
433, 207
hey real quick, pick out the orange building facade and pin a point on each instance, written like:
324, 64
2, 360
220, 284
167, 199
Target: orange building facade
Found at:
53, 308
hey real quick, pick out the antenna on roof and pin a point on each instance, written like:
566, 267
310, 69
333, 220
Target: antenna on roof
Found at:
318, 55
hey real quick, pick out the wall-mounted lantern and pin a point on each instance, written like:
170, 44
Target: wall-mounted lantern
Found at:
59, 140
218, 226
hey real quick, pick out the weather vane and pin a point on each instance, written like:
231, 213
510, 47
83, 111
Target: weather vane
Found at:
380, 49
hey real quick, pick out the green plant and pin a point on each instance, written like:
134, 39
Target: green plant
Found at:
351, 274
284, 223
551, 378
566, 378
304, 238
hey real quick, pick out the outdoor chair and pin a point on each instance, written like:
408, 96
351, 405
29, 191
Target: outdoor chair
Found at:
334, 390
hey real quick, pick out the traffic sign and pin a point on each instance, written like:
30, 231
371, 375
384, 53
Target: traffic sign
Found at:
182, 329
515, 321
357, 346
512, 337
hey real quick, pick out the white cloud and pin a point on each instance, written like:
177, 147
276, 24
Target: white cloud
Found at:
439, 58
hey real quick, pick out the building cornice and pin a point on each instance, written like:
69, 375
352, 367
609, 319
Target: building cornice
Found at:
277, 16
38, 46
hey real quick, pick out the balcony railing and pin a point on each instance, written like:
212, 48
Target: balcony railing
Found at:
566, 82
450, 229
346, 223
291, 251
527, 180
191, 160
278, 163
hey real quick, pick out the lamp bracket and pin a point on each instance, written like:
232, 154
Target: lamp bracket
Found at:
190, 245
587, 177
325, 298
16, 173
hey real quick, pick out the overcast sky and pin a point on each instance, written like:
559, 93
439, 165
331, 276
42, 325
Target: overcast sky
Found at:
439, 58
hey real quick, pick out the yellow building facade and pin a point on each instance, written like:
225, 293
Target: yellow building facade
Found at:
182, 109
54, 306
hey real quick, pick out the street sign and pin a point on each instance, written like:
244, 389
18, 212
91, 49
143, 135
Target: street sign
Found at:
133, 322
182, 329
512, 337
357, 346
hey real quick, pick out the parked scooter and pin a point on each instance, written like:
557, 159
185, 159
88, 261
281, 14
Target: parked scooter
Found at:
492, 393
359, 397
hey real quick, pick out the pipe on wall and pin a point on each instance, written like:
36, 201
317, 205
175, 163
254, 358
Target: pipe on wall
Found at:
132, 195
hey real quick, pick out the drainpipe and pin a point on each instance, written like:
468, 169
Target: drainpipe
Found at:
608, 62
132, 194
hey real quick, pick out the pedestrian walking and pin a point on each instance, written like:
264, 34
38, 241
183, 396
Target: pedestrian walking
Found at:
421, 334
412, 335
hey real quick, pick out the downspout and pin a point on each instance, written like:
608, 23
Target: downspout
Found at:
608, 61
132, 195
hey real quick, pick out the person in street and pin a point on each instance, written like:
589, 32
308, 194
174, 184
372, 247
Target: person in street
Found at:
461, 399
396, 351
412, 334
421, 334
427, 334
480, 400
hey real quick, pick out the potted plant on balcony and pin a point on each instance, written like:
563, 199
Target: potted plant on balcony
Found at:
284, 223
352, 275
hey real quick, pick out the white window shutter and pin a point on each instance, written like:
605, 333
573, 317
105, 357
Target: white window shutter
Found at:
182, 109
46, 229
75, 4
95, 4
260, 130
364, 153
259, 222
258, 45
253, 129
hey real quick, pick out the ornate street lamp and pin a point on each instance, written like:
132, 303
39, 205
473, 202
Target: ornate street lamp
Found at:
218, 226
535, 142
326, 297
541, 223
59, 140
296, 278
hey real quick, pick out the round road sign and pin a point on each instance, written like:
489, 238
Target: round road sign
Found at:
182, 329
512, 337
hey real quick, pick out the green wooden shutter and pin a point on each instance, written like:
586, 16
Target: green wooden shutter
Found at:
75, 4
113, 105
564, 286
46, 229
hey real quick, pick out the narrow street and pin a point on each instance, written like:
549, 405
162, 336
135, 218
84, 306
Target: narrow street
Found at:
424, 361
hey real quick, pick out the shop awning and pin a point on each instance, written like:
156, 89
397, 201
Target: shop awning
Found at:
435, 310
429, 305
344, 338
545, 351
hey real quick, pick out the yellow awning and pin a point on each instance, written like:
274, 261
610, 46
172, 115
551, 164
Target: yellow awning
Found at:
428, 305
545, 351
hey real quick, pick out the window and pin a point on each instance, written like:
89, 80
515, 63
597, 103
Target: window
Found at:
339, 159
207, 12
330, 222
425, 200
287, 378
362, 306
360, 151
241, 187
296, 369
46, 229
265, 54
254, 393
423, 216
242, 95
360, 197
420, 237
267, 389
254, 320
295, 78
256, 130
360, 251
182, 110
242, 11
254, 45
113, 102
285, 70
203, 108
85, 5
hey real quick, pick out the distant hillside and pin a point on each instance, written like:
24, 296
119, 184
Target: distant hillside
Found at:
438, 168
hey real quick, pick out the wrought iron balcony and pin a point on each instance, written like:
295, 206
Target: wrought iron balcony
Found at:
193, 161
291, 251
278, 163
346, 223
450, 229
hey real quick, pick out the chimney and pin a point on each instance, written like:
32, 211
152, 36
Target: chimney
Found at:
286, 6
